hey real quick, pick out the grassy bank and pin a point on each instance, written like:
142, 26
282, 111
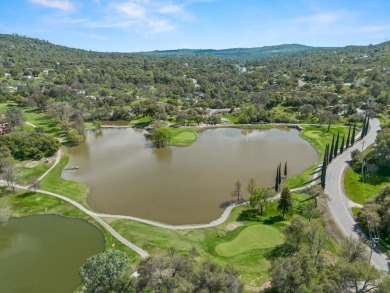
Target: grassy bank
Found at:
319, 137
28, 170
54, 183
359, 191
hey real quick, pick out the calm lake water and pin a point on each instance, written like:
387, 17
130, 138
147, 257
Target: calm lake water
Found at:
181, 185
44, 253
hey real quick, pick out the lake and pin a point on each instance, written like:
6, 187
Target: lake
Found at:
181, 185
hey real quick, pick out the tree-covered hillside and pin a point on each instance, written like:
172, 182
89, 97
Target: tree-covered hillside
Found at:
241, 53
310, 85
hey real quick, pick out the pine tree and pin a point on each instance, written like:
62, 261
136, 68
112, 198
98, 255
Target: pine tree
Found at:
285, 202
336, 146
285, 169
348, 138
331, 150
353, 135
342, 145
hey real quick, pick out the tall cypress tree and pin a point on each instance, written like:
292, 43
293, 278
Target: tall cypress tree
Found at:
367, 126
280, 173
363, 133
353, 135
331, 150
324, 166
285, 169
342, 144
336, 146
348, 138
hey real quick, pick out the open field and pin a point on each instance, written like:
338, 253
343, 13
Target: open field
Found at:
359, 191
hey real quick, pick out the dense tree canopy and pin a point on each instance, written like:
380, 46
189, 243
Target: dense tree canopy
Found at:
30, 145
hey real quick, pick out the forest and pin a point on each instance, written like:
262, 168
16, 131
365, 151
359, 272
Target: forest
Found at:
312, 85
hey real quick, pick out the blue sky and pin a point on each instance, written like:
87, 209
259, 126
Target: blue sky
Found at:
144, 25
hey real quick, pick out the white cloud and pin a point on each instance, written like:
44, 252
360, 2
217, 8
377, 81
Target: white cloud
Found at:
144, 16
325, 18
376, 28
171, 9
58, 4
130, 9
97, 37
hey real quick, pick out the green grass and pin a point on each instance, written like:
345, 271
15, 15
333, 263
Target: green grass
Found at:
254, 237
232, 118
40, 119
54, 183
356, 211
183, 136
318, 136
140, 122
27, 170
36, 118
358, 191
252, 263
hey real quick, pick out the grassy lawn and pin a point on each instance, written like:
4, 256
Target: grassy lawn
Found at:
183, 136
232, 118
27, 170
54, 183
247, 248
25, 203
36, 118
318, 136
251, 264
253, 237
358, 191
140, 122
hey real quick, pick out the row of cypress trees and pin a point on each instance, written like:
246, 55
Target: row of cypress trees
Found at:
331, 150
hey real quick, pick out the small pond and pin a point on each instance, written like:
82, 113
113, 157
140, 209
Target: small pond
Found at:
44, 253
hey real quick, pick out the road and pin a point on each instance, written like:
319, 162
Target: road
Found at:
338, 202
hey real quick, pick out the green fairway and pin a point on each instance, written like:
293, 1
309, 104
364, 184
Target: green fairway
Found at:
183, 136
254, 237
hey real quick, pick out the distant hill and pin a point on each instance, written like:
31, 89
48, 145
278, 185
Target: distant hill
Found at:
241, 53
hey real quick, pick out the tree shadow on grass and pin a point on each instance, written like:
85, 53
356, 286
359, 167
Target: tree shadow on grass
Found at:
281, 250
25, 195
274, 219
250, 215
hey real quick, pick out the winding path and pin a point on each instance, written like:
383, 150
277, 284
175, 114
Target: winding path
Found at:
339, 204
